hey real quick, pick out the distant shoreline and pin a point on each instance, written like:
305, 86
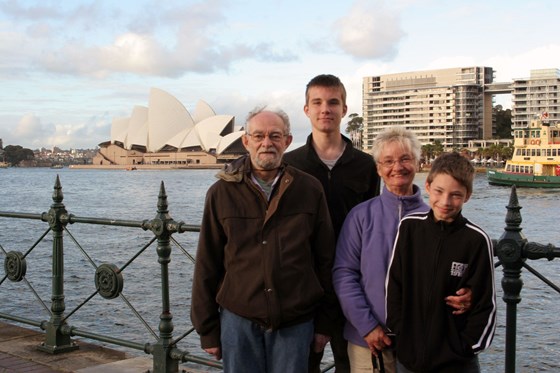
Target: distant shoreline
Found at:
147, 167
190, 167
481, 170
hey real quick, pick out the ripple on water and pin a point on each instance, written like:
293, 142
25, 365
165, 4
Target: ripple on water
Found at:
133, 196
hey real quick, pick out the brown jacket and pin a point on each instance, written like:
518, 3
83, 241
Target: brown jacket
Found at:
269, 262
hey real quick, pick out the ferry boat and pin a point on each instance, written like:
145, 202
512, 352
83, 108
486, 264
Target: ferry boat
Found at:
536, 157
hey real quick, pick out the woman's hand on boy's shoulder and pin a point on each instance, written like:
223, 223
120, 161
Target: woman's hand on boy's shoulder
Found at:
461, 301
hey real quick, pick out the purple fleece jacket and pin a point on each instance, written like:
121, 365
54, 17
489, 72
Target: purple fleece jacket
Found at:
363, 253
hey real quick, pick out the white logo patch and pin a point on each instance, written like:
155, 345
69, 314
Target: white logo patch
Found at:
458, 269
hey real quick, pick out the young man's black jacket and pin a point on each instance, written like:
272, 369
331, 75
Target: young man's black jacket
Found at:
352, 180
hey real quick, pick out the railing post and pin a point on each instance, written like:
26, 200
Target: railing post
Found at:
510, 252
55, 340
162, 357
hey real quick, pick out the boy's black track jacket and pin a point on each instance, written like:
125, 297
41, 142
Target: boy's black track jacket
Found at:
432, 260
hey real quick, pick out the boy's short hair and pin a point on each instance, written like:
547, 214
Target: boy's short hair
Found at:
454, 165
325, 80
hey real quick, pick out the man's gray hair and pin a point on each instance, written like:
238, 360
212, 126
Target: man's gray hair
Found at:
398, 134
259, 109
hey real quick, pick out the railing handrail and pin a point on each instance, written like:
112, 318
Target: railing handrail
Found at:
512, 251
166, 356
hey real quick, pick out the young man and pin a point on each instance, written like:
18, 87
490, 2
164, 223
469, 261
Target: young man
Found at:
348, 175
262, 287
436, 253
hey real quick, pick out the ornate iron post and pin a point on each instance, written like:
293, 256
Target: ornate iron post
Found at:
509, 251
164, 362
513, 250
55, 340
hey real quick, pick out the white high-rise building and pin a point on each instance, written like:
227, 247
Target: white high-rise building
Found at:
446, 105
538, 95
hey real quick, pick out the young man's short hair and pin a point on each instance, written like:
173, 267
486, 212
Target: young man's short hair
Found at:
325, 80
454, 165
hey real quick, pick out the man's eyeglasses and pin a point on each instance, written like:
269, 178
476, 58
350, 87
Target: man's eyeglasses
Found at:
274, 137
389, 163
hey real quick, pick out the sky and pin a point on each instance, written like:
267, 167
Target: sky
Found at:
67, 68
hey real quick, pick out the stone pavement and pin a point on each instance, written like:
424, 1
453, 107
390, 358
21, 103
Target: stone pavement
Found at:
19, 354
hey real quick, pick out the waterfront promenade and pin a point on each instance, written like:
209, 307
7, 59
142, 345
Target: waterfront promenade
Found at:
19, 354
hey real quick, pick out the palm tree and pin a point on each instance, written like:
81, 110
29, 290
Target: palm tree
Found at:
438, 148
427, 152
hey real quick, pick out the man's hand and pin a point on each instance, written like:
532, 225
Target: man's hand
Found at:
462, 302
215, 351
320, 341
377, 340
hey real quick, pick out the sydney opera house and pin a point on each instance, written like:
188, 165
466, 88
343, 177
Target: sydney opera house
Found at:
165, 134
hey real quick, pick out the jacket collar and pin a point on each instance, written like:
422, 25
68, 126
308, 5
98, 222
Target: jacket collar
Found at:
346, 155
411, 202
443, 226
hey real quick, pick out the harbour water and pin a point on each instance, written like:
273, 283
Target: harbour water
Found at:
132, 195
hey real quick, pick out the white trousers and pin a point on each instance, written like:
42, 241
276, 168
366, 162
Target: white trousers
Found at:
361, 360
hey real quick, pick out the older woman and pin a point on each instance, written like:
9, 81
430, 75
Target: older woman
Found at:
365, 246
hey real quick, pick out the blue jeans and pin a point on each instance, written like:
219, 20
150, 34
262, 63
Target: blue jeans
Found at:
247, 347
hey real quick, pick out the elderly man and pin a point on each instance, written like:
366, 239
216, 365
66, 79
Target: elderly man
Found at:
262, 289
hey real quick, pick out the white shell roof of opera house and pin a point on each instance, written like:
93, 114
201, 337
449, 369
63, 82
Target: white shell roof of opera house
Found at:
166, 122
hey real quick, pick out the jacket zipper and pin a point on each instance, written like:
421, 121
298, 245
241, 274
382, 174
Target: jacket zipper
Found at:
430, 299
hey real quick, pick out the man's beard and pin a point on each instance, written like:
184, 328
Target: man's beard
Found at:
268, 163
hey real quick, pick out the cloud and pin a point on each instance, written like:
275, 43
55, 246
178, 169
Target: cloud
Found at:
82, 135
14, 9
370, 30
447, 62
28, 125
31, 133
290, 101
519, 66
169, 41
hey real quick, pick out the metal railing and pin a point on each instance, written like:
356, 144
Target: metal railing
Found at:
109, 283
512, 250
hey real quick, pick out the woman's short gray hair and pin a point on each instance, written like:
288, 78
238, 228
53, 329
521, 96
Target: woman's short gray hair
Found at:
398, 134
259, 109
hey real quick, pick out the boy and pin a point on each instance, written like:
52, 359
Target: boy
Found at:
436, 253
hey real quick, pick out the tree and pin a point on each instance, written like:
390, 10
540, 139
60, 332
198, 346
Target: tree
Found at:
14, 154
431, 151
503, 122
427, 152
498, 152
438, 148
355, 124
